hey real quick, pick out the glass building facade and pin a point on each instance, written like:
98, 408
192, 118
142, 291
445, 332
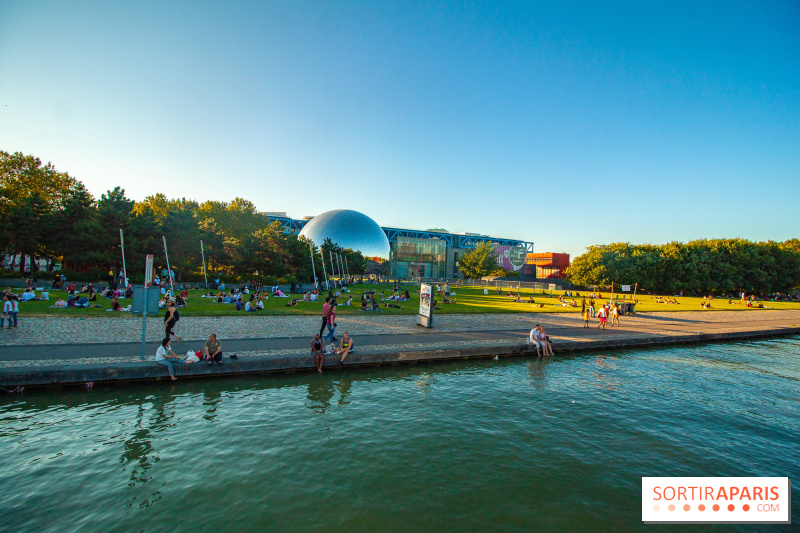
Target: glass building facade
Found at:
413, 257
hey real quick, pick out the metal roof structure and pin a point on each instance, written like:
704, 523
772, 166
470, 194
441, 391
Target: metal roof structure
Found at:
453, 240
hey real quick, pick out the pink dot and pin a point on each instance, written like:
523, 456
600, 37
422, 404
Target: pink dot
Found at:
656, 507
731, 507
716, 507
687, 507
671, 507
746, 507
701, 507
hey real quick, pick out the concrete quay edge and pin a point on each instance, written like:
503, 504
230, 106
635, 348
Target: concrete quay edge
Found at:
80, 374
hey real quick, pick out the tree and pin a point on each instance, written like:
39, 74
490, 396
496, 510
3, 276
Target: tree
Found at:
30, 193
701, 266
479, 262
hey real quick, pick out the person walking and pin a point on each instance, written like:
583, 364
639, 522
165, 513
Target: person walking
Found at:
326, 309
583, 305
316, 349
585, 318
332, 322
601, 314
614, 315
591, 308
170, 319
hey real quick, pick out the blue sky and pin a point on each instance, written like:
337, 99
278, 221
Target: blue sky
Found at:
566, 124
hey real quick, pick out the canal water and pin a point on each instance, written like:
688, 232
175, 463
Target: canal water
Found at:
518, 444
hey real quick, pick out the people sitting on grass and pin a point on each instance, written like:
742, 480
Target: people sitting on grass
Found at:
115, 304
249, 307
27, 296
291, 302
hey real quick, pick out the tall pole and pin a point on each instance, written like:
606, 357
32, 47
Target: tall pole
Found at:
634, 292
330, 253
346, 268
612, 292
313, 269
203, 255
169, 271
124, 270
339, 264
324, 272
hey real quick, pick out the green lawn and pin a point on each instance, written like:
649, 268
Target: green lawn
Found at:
470, 300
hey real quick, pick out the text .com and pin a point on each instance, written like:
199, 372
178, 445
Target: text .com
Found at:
716, 500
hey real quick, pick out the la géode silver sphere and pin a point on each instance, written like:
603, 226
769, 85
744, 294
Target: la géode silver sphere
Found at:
349, 229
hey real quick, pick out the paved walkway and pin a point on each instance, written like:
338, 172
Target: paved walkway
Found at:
59, 341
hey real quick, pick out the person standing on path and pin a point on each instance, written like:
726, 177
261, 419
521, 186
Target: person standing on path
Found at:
583, 305
316, 349
602, 316
326, 309
170, 319
7, 308
614, 315
14, 310
166, 357
332, 322
586, 318
591, 308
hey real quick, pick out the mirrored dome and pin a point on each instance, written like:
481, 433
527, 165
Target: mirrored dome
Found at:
349, 229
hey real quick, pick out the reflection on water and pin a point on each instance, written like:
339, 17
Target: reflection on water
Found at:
320, 393
516, 444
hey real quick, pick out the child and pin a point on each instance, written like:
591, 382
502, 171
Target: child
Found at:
586, 318
7, 309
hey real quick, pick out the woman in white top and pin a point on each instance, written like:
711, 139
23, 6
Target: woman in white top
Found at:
167, 357
545, 343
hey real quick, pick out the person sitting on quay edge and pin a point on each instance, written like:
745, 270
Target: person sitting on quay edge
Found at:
345, 348
166, 357
316, 349
545, 340
533, 338
213, 349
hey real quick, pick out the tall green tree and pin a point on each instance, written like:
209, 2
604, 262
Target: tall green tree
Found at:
478, 262
30, 194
